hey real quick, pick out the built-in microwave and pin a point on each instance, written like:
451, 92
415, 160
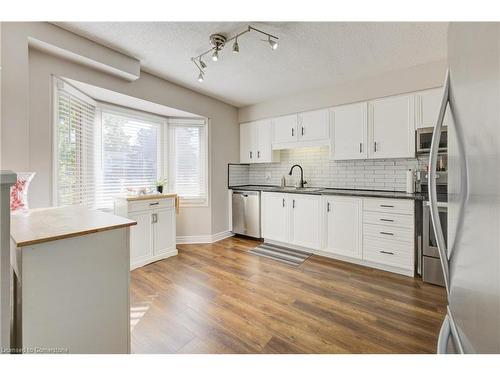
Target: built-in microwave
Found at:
424, 140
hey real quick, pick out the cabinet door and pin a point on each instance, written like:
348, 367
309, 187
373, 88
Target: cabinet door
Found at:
343, 226
164, 230
428, 103
264, 152
349, 128
305, 220
247, 142
391, 127
314, 125
285, 129
274, 216
141, 237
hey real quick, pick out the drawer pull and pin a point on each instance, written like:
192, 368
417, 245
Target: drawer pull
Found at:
386, 205
154, 204
389, 220
387, 233
386, 252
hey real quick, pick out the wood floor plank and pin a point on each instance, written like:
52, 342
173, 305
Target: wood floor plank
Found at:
219, 298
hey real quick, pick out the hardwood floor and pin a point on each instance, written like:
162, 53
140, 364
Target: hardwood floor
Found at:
218, 298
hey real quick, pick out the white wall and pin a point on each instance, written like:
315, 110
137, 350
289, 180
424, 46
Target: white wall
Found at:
27, 123
396, 82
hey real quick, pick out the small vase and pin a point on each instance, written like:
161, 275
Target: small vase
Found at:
159, 189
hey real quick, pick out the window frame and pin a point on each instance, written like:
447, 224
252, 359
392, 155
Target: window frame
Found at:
191, 122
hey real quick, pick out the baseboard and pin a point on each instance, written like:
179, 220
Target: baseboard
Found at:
163, 255
204, 239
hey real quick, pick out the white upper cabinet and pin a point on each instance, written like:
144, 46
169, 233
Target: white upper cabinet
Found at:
313, 125
427, 105
256, 142
246, 142
305, 220
343, 226
285, 129
349, 132
391, 128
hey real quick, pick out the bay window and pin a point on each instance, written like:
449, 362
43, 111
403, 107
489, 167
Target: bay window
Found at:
102, 151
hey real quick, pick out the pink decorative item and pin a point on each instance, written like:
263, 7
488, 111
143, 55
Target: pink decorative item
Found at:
19, 191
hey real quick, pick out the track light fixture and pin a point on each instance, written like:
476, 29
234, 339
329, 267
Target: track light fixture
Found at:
272, 43
218, 41
215, 55
203, 65
236, 46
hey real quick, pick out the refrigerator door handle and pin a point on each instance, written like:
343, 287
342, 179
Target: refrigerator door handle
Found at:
436, 222
444, 335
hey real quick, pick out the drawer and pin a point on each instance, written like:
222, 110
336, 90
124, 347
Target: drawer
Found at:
150, 204
397, 206
388, 219
386, 232
391, 254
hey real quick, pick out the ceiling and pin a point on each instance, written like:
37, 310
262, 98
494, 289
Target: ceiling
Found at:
311, 55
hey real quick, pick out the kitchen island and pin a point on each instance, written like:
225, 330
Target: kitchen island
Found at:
71, 281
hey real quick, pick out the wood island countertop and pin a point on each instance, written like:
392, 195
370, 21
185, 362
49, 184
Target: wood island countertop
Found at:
55, 223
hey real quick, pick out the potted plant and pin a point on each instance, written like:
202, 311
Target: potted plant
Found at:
160, 184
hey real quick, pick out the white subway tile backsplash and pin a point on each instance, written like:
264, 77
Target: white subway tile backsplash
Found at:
320, 171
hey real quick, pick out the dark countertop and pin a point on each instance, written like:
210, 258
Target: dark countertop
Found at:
332, 191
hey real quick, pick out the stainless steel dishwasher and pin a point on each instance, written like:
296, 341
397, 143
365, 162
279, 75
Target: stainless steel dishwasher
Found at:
246, 213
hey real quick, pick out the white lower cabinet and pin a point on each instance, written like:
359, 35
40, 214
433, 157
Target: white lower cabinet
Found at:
375, 232
274, 216
291, 218
154, 236
304, 220
343, 226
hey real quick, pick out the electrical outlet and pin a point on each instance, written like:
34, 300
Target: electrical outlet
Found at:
268, 176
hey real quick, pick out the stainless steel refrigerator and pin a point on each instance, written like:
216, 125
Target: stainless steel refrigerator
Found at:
471, 262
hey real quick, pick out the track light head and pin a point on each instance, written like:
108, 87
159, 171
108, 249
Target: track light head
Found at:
202, 64
236, 46
272, 43
200, 77
215, 55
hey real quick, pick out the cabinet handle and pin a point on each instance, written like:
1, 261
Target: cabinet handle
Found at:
328, 207
154, 218
250, 154
387, 205
375, 146
387, 233
389, 220
283, 202
302, 130
154, 204
386, 252
360, 147
258, 154
293, 203
293, 131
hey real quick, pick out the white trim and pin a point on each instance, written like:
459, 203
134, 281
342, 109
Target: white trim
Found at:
360, 262
204, 239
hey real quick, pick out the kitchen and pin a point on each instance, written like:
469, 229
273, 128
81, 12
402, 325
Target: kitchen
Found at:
291, 209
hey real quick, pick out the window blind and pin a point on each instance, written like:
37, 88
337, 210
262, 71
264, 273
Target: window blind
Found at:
188, 159
75, 160
130, 155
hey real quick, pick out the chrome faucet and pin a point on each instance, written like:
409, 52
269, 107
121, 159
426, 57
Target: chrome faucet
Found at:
302, 182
